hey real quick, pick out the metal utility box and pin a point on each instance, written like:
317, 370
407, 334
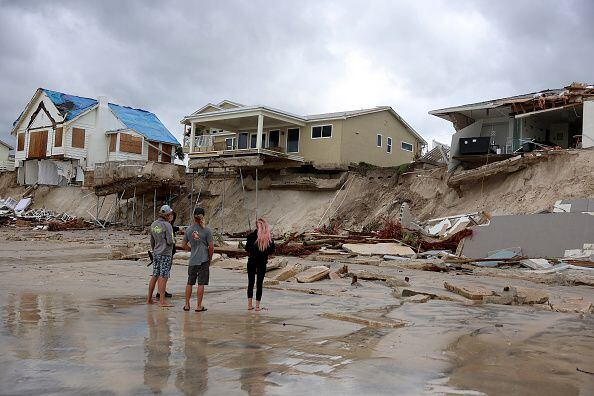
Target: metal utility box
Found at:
474, 145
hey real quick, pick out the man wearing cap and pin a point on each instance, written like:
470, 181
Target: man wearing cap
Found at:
198, 240
162, 242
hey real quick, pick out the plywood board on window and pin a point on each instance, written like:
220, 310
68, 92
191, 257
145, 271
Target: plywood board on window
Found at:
112, 142
78, 138
130, 144
58, 137
21, 142
37, 144
153, 152
166, 154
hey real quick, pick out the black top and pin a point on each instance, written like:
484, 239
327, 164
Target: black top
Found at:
255, 255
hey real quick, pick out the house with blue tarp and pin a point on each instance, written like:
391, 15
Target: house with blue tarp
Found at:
61, 137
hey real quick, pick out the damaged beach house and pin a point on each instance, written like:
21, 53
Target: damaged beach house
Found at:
271, 149
503, 135
229, 134
64, 139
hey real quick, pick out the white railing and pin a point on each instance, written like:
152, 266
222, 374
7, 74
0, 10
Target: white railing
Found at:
6, 166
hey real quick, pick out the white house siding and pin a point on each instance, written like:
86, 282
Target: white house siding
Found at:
41, 120
104, 120
123, 156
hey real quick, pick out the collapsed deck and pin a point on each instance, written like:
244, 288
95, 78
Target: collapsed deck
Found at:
131, 178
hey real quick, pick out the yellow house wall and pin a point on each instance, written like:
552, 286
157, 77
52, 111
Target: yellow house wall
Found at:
359, 143
4, 152
323, 152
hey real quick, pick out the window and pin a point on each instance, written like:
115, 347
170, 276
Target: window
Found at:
274, 139
230, 143
406, 146
58, 137
112, 142
293, 140
389, 145
78, 138
321, 131
37, 144
153, 151
242, 142
165, 152
129, 144
254, 138
21, 142
379, 140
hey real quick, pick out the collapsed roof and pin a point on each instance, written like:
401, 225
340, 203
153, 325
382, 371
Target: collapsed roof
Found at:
569, 96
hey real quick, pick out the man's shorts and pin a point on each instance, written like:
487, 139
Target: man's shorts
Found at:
161, 266
198, 273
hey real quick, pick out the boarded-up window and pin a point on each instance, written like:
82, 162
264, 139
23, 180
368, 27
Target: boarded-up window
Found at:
166, 154
78, 138
37, 144
58, 137
153, 151
130, 144
21, 142
112, 142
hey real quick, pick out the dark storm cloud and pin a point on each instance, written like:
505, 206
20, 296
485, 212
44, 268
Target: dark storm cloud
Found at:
174, 56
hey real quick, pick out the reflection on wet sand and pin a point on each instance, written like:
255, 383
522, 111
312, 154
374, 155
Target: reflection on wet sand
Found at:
157, 347
192, 379
255, 357
44, 326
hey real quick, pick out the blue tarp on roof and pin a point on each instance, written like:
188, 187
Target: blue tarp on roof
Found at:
145, 123
68, 105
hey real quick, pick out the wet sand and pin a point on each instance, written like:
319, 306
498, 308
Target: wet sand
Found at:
73, 322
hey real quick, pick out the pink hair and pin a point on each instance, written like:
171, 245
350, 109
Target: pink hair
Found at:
263, 240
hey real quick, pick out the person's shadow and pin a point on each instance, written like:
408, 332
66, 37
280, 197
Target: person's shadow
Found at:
157, 348
192, 379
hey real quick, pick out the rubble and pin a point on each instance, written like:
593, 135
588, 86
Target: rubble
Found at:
470, 292
381, 249
288, 272
313, 274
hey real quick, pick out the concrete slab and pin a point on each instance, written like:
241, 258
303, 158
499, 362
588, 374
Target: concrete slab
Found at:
381, 249
539, 235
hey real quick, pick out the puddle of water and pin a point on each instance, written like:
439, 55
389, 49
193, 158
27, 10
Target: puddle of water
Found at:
53, 344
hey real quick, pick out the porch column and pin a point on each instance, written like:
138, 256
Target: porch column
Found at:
192, 137
260, 131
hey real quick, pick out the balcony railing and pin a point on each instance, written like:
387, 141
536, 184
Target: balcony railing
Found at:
201, 143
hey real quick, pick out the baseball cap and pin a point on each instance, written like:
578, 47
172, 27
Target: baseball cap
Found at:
165, 209
198, 212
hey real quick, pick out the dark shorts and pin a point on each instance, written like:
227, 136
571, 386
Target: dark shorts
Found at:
199, 274
161, 266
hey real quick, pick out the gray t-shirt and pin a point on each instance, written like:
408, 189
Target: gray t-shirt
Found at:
162, 238
199, 239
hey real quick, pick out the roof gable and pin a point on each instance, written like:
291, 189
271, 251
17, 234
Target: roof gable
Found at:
145, 123
207, 108
69, 106
3, 143
227, 104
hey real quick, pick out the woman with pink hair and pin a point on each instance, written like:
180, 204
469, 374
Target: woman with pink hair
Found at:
259, 246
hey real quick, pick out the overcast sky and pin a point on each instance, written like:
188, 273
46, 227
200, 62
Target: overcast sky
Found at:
172, 57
